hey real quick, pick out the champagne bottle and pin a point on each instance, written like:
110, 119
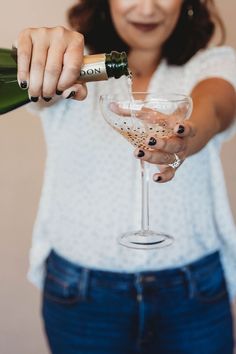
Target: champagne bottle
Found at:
95, 68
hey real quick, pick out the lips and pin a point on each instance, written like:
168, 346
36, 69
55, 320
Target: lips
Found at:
145, 27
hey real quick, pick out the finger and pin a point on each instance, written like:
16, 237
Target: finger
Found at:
53, 69
172, 145
151, 116
37, 67
81, 93
77, 92
188, 128
24, 50
165, 176
155, 157
72, 62
119, 110
134, 110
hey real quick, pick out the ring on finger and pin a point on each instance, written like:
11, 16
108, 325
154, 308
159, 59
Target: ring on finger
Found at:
176, 163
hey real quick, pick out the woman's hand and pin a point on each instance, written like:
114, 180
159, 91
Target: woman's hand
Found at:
164, 151
49, 62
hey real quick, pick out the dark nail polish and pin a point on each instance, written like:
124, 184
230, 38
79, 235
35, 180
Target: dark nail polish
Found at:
72, 94
181, 129
158, 179
59, 93
47, 99
23, 85
140, 153
152, 142
34, 99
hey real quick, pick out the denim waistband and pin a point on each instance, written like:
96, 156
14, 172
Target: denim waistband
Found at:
200, 267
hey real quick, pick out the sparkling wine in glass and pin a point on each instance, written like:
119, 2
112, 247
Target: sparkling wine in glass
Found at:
136, 116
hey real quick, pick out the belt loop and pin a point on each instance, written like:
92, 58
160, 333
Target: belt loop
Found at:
190, 281
83, 283
141, 309
138, 285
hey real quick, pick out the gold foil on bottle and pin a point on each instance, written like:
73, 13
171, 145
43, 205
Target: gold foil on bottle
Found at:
93, 68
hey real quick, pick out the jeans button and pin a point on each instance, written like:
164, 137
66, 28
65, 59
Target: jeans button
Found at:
139, 297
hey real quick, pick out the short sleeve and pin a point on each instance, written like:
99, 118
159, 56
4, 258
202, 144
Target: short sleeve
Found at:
51, 116
39, 107
215, 62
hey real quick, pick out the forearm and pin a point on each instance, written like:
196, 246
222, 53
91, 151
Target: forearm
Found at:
207, 126
214, 104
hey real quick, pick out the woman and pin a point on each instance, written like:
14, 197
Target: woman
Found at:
99, 297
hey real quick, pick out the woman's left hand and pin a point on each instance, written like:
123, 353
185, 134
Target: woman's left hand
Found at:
168, 151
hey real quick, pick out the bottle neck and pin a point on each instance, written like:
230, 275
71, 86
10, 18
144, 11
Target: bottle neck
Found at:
116, 64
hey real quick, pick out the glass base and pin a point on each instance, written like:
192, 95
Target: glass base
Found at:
145, 239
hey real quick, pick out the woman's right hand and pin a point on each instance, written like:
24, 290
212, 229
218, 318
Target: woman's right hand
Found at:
49, 62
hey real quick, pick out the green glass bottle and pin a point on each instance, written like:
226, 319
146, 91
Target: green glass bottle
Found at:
11, 95
95, 68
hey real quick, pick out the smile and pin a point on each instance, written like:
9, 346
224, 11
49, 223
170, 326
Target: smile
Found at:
145, 27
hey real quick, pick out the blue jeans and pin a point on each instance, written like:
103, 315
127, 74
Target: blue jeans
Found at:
178, 311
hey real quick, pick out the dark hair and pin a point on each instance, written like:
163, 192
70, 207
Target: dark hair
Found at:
195, 28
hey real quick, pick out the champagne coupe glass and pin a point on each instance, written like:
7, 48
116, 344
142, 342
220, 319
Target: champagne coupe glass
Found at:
136, 116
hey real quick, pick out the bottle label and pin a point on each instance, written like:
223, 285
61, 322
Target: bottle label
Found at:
93, 68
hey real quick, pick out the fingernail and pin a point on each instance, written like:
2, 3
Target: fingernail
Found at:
59, 93
72, 94
152, 142
181, 129
34, 99
23, 85
47, 99
141, 153
157, 178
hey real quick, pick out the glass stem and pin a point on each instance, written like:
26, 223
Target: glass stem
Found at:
145, 195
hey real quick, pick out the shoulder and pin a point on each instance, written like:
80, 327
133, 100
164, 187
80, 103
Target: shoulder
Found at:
214, 62
217, 54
